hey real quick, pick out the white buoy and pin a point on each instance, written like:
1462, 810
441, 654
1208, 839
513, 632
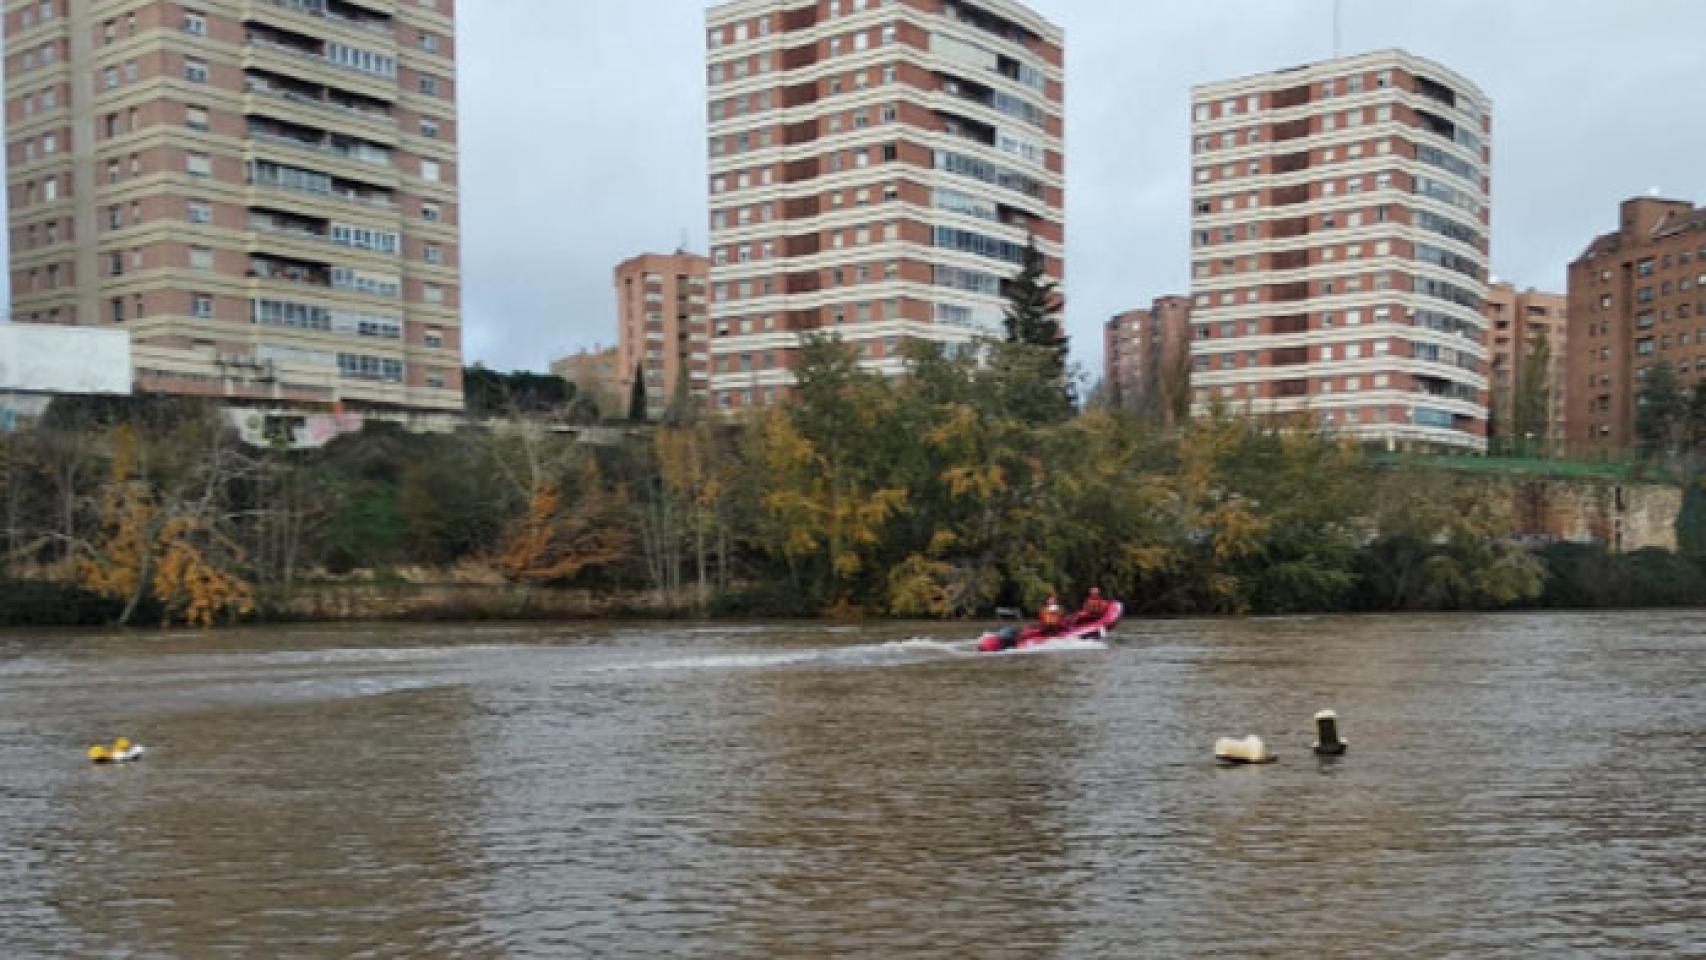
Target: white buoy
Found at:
1248, 750
1328, 743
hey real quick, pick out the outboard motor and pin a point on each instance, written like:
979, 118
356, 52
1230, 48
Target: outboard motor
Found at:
1005, 639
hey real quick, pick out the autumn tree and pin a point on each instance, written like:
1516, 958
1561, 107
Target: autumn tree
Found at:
566, 531
163, 525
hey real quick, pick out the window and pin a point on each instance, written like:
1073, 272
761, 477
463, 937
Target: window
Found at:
109, 78
201, 305
198, 165
201, 258
200, 211
429, 42
429, 85
195, 118
432, 293
429, 128
433, 253
195, 71
432, 212
430, 170
195, 24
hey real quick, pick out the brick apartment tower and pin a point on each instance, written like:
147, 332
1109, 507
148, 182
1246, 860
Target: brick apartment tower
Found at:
662, 329
1519, 321
877, 168
1340, 245
1637, 299
263, 192
1145, 357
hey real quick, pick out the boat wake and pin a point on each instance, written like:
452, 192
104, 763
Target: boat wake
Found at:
1052, 647
892, 653
896, 652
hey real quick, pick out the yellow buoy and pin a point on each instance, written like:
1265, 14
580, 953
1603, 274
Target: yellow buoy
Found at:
121, 745
100, 754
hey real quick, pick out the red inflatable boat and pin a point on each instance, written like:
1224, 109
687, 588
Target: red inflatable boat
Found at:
1016, 638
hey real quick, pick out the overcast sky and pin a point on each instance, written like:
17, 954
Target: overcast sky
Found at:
583, 137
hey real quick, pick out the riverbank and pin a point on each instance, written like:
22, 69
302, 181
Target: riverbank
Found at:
1578, 577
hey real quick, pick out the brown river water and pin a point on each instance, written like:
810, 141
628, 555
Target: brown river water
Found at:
1516, 786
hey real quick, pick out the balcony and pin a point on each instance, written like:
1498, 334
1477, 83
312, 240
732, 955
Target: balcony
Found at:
1291, 163
287, 225
304, 59
967, 129
987, 22
307, 183
273, 96
326, 144
297, 272
1291, 196
1434, 90
1292, 323
798, 133
338, 14
1287, 292
1295, 130
1293, 97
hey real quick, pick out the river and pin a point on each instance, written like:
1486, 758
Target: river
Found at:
1516, 786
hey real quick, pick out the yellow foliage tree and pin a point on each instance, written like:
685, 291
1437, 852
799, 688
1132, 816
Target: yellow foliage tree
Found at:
821, 510
556, 539
146, 543
189, 585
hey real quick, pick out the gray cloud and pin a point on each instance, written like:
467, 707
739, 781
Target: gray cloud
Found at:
583, 136
1592, 103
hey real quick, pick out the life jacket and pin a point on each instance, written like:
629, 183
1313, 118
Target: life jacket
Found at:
1051, 615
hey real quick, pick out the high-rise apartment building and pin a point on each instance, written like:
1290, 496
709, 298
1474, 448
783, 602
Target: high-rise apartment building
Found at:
878, 168
1145, 357
1340, 246
1637, 299
662, 330
263, 192
1519, 322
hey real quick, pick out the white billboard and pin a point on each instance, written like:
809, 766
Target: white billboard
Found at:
46, 358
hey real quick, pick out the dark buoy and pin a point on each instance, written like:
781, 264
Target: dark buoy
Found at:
1327, 742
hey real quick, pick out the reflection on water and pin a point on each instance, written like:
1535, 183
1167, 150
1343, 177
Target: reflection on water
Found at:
1516, 786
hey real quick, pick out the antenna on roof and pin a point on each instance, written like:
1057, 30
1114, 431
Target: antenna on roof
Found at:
683, 247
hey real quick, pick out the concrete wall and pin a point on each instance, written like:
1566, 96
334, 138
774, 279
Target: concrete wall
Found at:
40, 358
